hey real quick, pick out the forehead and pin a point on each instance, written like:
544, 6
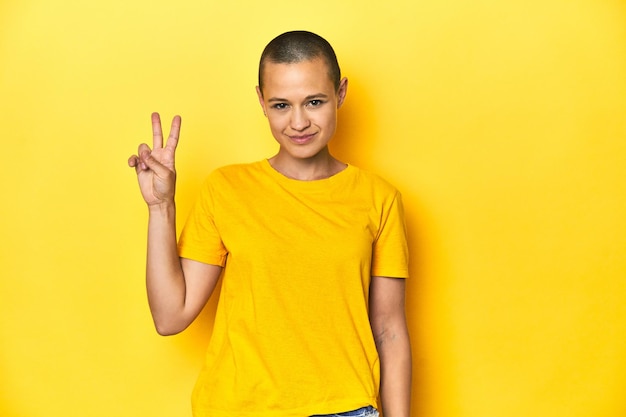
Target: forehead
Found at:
306, 75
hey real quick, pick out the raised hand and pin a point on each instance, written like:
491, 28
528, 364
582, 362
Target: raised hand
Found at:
155, 167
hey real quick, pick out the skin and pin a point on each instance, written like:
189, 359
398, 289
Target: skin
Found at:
301, 105
389, 327
178, 288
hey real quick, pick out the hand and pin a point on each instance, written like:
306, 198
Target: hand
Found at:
155, 167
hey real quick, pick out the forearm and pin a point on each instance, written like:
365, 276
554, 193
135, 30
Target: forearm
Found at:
395, 359
165, 280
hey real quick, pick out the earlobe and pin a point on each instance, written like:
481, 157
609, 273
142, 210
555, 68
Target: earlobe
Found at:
342, 91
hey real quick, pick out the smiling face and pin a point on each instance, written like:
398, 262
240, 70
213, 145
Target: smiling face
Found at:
300, 102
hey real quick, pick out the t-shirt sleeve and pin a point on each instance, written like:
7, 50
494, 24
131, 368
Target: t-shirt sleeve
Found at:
390, 252
200, 239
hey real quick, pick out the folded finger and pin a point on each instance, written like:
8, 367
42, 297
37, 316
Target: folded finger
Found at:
132, 161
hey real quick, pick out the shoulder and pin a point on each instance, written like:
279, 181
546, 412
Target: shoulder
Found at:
234, 173
374, 183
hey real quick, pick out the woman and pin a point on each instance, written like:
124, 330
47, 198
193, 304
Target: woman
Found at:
313, 254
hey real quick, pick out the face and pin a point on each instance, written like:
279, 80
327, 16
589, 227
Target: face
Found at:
301, 105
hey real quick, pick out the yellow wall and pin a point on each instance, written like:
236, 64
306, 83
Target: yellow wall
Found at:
502, 122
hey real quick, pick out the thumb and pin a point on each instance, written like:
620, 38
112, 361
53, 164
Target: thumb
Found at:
150, 162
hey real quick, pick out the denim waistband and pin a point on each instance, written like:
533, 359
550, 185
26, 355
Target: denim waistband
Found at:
368, 411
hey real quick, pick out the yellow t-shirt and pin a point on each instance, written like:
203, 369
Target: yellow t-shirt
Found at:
292, 335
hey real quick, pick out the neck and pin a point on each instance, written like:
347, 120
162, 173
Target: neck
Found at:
310, 169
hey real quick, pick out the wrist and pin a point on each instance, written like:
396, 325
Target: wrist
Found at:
163, 208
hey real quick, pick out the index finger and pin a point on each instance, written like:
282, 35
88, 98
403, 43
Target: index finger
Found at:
157, 133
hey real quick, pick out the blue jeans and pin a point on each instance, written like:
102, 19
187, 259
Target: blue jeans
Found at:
368, 411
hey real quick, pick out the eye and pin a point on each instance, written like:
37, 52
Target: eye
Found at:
279, 106
315, 103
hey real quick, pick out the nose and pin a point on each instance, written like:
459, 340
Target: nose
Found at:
299, 119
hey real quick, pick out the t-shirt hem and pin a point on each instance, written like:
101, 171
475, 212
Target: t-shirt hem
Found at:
186, 252
400, 274
326, 408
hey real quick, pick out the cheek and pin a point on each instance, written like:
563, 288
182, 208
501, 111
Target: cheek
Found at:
329, 119
276, 123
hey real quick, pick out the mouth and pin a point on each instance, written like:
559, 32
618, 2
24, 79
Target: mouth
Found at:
301, 139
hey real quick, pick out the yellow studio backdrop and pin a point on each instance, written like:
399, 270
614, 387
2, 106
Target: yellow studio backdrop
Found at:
502, 122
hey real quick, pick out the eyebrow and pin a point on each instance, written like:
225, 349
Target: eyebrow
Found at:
307, 98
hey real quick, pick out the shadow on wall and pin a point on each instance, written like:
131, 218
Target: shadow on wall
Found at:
355, 136
194, 340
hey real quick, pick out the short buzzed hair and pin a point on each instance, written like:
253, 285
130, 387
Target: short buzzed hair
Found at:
297, 46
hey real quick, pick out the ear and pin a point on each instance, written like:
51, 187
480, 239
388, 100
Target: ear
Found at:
261, 101
342, 91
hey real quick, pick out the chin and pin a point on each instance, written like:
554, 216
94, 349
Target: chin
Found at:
304, 154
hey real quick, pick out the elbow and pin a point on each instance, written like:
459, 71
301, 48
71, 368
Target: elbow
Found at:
162, 331
169, 321
164, 328
391, 336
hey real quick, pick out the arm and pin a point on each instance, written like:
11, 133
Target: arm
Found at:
177, 288
388, 321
